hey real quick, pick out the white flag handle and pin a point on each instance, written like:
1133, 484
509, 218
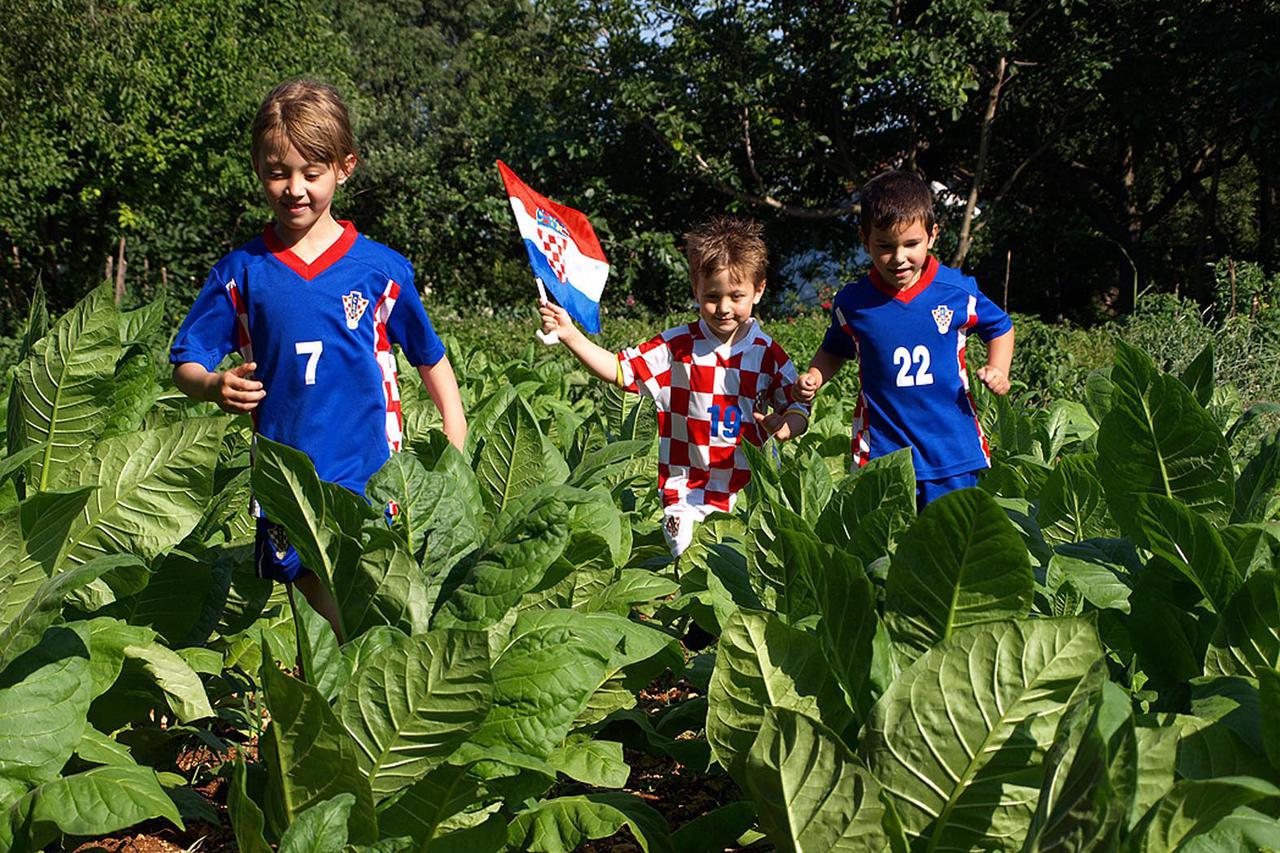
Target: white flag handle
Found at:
547, 338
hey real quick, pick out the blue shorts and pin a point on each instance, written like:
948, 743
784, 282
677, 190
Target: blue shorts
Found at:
928, 491
274, 559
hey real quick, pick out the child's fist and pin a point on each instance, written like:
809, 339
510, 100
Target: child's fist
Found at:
807, 385
236, 391
556, 319
995, 379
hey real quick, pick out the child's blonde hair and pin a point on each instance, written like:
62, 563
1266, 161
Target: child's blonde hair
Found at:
309, 114
726, 241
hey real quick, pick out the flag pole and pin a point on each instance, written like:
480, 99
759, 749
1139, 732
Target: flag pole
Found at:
547, 338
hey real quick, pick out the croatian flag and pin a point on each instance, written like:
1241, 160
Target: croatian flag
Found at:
563, 249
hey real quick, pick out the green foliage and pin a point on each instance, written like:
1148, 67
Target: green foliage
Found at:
1080, 654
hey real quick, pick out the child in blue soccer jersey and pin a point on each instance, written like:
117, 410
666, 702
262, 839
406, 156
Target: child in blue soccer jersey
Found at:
906, 323
313, 307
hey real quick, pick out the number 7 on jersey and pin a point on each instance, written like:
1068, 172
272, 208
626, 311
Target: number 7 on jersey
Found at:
312, 350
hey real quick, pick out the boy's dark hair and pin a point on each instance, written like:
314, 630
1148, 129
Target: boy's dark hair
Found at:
726, 241
894, 199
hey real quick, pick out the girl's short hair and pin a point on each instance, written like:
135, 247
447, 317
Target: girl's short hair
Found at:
309, 114
726, 241
893, 199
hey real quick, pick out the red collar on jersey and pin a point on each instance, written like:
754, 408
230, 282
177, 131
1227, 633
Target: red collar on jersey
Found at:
909, 293
328, 257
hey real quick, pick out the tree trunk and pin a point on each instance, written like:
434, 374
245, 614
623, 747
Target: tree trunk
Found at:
984, 142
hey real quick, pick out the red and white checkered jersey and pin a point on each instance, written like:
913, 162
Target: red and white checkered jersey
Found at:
706, 392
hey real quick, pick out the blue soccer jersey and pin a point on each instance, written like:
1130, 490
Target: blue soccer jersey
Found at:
909, 345
321, 334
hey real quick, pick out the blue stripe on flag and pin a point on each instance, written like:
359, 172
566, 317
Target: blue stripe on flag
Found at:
580, 307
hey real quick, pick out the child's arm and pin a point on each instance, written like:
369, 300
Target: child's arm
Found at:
995, 374
821, 369
442, 385
234, 390
600, 361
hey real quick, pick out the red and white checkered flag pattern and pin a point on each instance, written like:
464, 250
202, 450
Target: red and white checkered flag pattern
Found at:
554, 245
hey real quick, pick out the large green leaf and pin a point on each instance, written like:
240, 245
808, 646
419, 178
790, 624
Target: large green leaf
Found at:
523, 544
413, 702
44, 697
1168, 627
1245, 829
1097, 580
425, 805
543, 676
1269, 699
1189, 542
246, 816
309, 756
24, 628
510, 459
763, 663
94, 803
1157, 440
133, 393
432, 514
1072, 507
322, 828
847, 629
1157, 757
961, 563
183, 600
810, 791
1248, 636
593, 762
782, 545
1195, 806
180, 684
1091, 775
383, 586
1258, 488
323, 520
323, 665
958, 740
152, 487
62, 390
871, 507
31, 537
562, 825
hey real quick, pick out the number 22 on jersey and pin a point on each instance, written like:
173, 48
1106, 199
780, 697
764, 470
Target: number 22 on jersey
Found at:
919, 358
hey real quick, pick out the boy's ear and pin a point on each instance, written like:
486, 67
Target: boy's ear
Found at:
345, 168
933, 238
755, 300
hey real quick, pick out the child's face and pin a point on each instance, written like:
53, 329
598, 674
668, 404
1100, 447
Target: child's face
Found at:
725, 300
300, 192
900, 253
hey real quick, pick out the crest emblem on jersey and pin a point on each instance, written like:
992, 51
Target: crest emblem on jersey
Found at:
353, 305
942, 316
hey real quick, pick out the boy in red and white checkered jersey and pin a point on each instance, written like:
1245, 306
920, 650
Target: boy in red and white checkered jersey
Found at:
714, 381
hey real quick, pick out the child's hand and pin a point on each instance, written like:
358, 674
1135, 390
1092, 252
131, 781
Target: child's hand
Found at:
236, 391
995, 379
781, 426
556, 319
807, 385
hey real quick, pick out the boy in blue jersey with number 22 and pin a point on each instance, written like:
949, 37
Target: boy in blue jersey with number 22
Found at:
906, 324
313, 308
